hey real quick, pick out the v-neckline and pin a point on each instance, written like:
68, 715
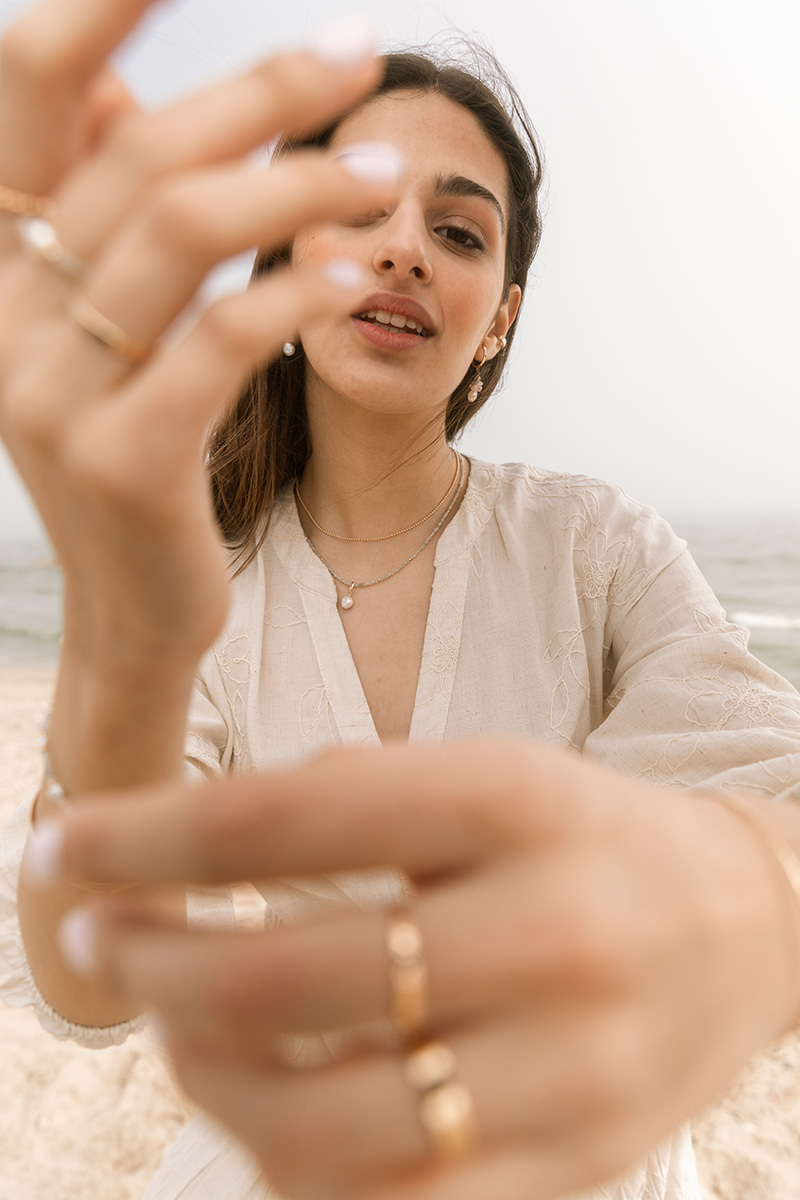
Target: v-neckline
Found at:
340, 678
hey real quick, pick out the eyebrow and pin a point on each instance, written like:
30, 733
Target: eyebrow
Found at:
459, 185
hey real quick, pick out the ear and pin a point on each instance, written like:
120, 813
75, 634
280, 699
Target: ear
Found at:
505, 318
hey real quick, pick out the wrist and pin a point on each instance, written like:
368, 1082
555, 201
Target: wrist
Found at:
118, 724
103, 630
777, 838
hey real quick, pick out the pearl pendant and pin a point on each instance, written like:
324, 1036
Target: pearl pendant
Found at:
347, 601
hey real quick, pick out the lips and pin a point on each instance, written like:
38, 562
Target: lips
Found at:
397, 314
396, 321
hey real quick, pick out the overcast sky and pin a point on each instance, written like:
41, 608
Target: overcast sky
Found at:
660, 335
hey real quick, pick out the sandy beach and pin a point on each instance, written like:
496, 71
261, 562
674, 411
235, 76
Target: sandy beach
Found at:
84, 1125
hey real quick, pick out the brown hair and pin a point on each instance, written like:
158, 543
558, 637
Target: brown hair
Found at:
262, 441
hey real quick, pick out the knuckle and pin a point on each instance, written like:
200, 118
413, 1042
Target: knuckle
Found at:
134, 143
100, 471
618, 1065
499, 825
29, 417
286, 1140
222, 324
262, 982
590, 956
177, 221
23, 54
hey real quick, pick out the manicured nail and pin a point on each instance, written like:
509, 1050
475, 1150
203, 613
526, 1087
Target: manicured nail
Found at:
77, 941
376, 162
345, 42
43, 856
344, 273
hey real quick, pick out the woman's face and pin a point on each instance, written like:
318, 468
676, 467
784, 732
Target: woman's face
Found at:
437, 257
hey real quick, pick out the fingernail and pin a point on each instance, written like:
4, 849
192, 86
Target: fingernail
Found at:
344, 273
376, 162
77, 941
345, 41
43, 856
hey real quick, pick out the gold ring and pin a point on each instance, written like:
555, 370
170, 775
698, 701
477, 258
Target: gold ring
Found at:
38, 237
107, 333
408, 975
24, 204
446, 1110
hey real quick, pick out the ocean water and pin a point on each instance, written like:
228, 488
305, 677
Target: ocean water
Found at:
752, 563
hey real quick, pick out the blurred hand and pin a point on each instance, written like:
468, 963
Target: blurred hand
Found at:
603, 958
112, 449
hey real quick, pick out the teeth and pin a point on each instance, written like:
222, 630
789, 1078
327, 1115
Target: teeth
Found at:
392, 320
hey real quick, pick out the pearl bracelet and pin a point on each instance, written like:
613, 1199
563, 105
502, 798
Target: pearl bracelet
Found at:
51, 790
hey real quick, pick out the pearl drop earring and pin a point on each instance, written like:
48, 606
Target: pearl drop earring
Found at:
477, 383
289, 349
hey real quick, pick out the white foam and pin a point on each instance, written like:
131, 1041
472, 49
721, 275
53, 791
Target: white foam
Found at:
756, 620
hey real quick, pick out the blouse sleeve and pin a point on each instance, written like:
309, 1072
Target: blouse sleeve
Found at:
686, 704
206, 908
17, 986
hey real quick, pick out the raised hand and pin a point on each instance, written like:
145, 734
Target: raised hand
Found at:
105, 416
603, 957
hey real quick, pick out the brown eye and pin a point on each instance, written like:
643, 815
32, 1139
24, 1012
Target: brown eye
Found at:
462, 237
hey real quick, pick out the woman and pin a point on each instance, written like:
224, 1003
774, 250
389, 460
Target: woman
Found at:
398, 591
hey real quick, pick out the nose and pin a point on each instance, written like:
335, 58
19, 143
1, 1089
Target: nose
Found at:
403, 246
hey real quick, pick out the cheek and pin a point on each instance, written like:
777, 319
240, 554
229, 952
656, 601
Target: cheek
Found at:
317, 244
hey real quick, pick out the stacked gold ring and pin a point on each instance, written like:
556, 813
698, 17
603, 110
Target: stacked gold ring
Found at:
24, 204
408, 975
39, 239
445, 1105
107, 333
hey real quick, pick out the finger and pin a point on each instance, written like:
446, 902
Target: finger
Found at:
286, 94
546, 1170
360, 1119
156, 267
366, 806
220, 984
47, 58
240, 991
108, 101
187, 387
183, 388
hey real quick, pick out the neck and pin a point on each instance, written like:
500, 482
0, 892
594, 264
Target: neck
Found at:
374, 473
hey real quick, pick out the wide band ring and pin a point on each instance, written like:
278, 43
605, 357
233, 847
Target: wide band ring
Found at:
38, 238
446, 1110
24, 204
408, 975
107, 333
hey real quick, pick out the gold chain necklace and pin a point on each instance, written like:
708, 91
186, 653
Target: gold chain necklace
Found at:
385, 537
348, 601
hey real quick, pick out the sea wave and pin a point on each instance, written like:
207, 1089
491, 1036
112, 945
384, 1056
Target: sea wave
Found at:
33, 635
759, 620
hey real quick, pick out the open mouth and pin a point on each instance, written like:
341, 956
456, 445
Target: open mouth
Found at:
395, 322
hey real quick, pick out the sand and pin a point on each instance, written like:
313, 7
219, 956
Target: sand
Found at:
77, 1124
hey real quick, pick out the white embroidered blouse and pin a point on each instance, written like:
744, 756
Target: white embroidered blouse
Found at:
560, 610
